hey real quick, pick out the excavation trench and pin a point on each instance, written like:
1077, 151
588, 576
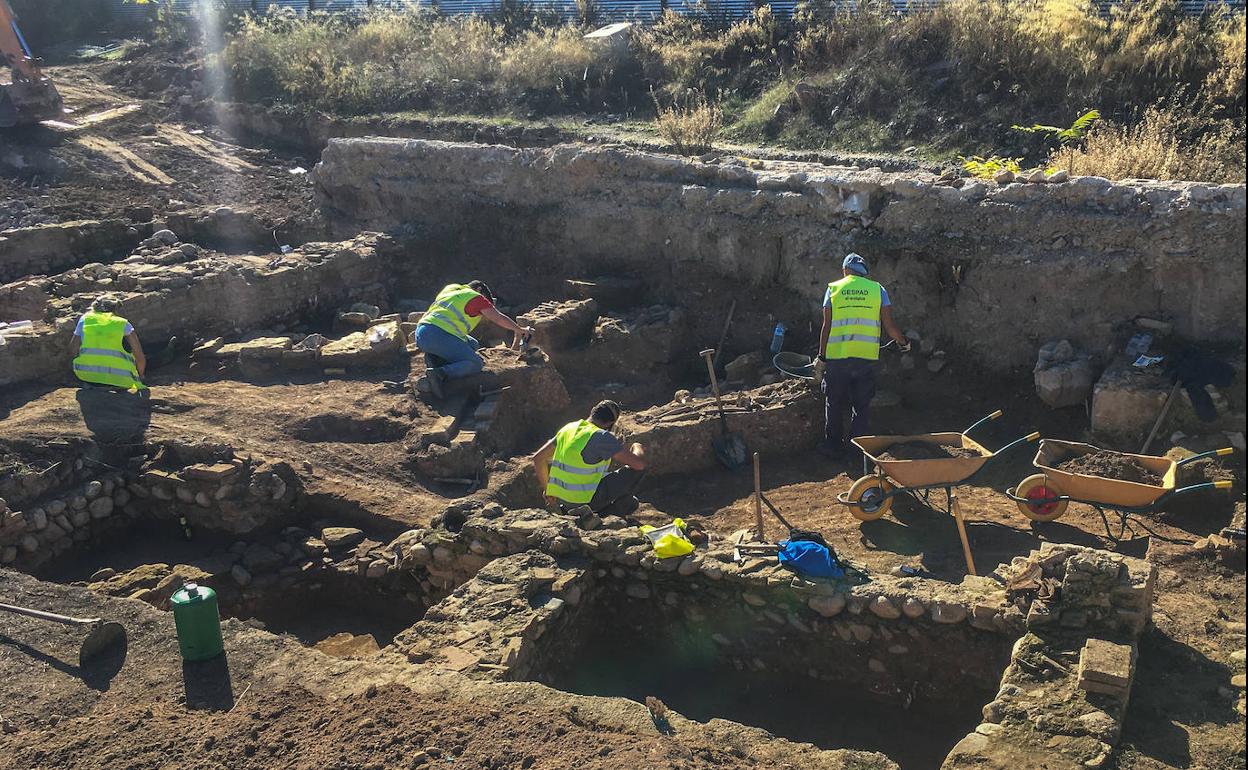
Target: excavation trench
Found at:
286, 584
910, 690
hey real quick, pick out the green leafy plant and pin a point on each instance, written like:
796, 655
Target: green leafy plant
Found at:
1067, 138
986, 168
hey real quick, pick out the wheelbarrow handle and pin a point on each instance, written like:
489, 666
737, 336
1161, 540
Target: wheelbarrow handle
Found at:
983, 420
1222, 484
1224, 451
1025, 439
65, 619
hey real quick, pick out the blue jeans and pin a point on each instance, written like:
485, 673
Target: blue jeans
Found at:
847, 383
449, 354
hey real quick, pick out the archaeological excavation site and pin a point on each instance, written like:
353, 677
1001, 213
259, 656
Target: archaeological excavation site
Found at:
397, 589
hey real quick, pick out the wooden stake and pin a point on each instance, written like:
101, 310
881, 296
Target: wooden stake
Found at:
966, 543
758, 503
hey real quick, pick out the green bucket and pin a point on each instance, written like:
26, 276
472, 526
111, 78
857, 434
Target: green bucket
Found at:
198, 622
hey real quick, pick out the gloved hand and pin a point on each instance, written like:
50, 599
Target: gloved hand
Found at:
820, 366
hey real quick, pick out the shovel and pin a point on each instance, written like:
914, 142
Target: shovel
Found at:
102, 635
730, 446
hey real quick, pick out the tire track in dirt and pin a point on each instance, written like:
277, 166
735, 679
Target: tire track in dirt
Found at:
127, 160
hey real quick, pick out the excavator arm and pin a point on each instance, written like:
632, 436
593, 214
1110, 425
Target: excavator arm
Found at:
30, 96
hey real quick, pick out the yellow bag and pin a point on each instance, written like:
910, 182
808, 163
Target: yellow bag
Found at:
668, 541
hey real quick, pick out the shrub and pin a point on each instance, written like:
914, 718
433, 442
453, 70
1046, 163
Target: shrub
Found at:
549, 60
1156, 148
690, 127
684, 53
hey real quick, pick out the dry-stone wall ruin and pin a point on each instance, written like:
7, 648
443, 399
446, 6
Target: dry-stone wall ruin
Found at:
993, 270
78, 498
527, 584
168, 288
503, 595
47, 249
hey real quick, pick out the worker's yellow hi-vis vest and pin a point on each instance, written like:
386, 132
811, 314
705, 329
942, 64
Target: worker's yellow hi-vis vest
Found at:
855, 330
101, 357
571, 478
449, 311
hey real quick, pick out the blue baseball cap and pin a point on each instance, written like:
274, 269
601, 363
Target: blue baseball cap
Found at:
856, 263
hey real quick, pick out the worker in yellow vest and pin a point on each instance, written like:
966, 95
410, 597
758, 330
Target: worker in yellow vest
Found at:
444, 333
100, 355
573, 468
855, 309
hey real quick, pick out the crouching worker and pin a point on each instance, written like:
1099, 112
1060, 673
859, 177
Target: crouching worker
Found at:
572, 468
444, 333
99, 349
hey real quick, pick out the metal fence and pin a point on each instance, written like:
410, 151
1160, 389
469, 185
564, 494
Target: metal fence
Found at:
129, 16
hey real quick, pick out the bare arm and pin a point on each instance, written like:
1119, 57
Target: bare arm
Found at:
140, 360
890, 328
634, 457
75, 346
823, 333
492, 315
541, 466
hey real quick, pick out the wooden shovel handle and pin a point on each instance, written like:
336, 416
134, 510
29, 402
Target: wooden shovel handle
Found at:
66, 619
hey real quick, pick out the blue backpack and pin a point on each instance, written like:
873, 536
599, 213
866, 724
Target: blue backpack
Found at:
810, 558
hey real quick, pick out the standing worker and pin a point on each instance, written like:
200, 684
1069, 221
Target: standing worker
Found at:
100, 355
572, 468
854, 309
444, 333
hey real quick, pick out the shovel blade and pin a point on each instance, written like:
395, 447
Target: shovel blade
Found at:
102, 638
731, 450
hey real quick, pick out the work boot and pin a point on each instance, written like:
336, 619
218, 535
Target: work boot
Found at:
436, 382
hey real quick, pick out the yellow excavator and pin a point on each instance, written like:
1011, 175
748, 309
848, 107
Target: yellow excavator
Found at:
29, 97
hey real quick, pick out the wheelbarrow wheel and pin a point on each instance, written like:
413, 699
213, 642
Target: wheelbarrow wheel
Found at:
1039, 487
870, 498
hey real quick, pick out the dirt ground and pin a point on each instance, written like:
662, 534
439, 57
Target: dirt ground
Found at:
133, 151
1183, 710
271, 703
345, 437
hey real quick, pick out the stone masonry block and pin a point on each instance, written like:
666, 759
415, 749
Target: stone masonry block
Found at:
1106, 667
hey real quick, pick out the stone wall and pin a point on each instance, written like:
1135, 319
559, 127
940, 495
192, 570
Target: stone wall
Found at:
176, 289
990, 270
259, 573
780, 419
48, 249
80, 501
521, 585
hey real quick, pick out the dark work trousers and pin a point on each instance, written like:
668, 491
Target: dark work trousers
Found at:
614, 495
847, 382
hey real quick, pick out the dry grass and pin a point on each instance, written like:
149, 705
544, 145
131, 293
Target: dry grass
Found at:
950, 80
411, 60
680, 54
555, 59
691, 127
1156, 148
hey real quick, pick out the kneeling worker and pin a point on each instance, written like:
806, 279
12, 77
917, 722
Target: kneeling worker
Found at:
572, 467
100, 355
444, 333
